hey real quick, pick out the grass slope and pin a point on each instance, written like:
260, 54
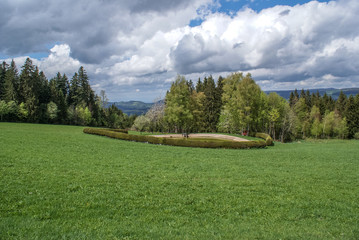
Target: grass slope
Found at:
57, 182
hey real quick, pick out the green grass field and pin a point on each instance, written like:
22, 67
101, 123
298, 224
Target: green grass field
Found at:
59, 183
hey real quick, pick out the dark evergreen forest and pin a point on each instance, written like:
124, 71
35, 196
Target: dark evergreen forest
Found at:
28, 96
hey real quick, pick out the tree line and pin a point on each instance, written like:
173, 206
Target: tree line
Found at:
29, 96
236, 104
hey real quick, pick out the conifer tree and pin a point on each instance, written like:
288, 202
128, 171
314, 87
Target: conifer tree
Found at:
25, 79
352, 115
190, 86
30, 89
218, 98
74, 91
11, 83
308, 99
199, 86
316, 99
341, 103
85, 89
302, 94
3, 69
293, 98
45, 89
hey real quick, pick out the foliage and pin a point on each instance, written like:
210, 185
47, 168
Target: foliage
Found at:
341, 128
84, 115
177, 111
52, 110
242, 100
4, 109
155, 117
115, 117
211, 105
234, 104
23, 113
352, 115
317, 128
30, 97
10, 81
276, 113
244, 108
141, 123
197, 109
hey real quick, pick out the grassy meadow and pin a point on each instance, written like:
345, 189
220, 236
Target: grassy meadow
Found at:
59, 183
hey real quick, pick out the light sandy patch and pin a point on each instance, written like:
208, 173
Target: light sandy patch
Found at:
205, 135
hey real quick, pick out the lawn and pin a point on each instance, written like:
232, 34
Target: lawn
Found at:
159, 133
59, 183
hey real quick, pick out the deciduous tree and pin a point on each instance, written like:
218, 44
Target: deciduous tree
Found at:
177, 111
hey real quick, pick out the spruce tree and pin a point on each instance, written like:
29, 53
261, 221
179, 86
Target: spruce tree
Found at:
74, 91
3, 69
25, 80
11, 83
62, 107
199, 86
43, 98
302, 93
190, 86
218, 97
291, 99
296, 95
308, 99
341, 103
45, 89
85, 88
30, 89
352, 115
330, 104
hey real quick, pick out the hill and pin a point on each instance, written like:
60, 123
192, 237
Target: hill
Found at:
132, 107
333, 92
138, 107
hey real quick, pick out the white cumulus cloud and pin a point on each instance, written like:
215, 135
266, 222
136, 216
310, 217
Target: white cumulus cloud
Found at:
130, 45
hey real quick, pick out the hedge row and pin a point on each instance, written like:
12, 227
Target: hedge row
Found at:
266, 137
118, 130
183, 142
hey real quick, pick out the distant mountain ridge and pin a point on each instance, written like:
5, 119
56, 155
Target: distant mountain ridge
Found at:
333, 92
138, 107
132, 107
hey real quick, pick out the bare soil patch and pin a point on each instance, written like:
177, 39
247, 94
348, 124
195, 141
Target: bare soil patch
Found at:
205, 135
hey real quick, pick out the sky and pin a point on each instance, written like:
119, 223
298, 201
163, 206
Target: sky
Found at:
135, 49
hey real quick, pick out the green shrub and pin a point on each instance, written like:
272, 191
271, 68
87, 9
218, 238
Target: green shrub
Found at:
183, 142
119, 130
266, 137
356, 135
